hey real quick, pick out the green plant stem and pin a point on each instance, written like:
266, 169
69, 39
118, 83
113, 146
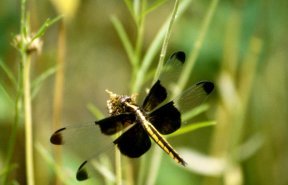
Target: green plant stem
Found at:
156, 159
23, 87
153, 49
140, 34
124, 39
13, 135
139, 10
28, 118
23, 30
155, 163
166, 41
25, 64
196, 50
118, 166
58, 89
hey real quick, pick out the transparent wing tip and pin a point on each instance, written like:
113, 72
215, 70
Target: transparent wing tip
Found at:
82, 172
57, 138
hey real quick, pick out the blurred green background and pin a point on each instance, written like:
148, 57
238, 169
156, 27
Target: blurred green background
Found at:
243, 53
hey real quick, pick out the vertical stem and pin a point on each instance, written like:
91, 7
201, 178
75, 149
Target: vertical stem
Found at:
139, 8
23, 19
118, 167
28, 118
198, 45
13, 135
25, 65
58, 88
140, 30
129, 172
59, 80
166, 41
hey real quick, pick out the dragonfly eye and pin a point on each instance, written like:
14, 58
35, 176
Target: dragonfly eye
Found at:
126, 99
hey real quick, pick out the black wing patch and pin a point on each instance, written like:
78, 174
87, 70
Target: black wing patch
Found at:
169, 73
166, 119
179, 55
134, 142
114, 124
156, 95
57, 138
207, 86
82, 173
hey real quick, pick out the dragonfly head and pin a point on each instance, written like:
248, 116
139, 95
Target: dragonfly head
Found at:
117, 103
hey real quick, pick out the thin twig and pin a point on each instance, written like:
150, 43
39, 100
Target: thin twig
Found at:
25, 63
185, 75
166, 41
13, 135
58, 87
118, 166
28, 119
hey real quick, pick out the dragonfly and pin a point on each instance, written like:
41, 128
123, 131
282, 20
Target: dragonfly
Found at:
158, 115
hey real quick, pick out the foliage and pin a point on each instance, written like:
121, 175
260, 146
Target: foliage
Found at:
241, 46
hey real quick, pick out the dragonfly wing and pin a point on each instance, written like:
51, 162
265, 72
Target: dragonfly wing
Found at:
85, 141
114, 124
167, 118
75, 134
134, 142
193, 96
96, 166
172, 68
156, 96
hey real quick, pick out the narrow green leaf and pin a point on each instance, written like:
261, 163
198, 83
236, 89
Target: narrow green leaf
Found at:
166, 40
8, 72
47, 157
95, 111
148, 58
189, 65
137, 9
44, 27
154, 6
4, 170
4, 90
130, 7
154, 47
191, 127
36, 84
194, 112
124, 39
